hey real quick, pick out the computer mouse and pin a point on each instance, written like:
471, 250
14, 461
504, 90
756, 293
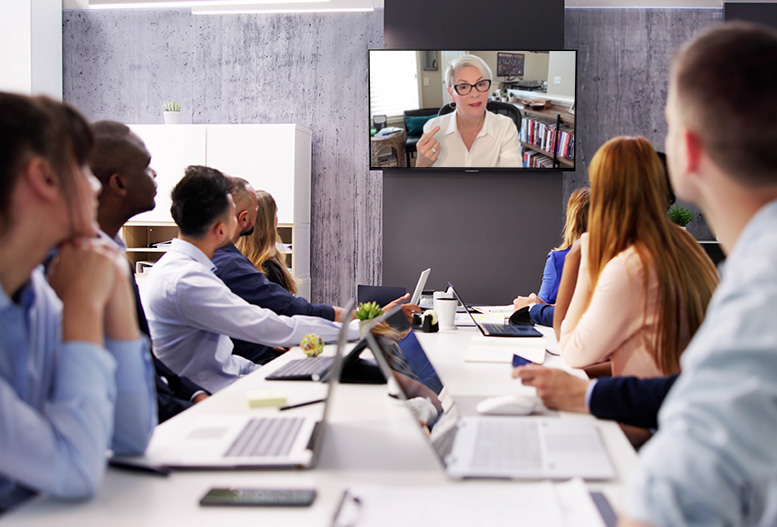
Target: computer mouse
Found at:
508, 405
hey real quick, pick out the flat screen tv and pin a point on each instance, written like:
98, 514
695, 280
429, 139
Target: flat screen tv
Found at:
501, 110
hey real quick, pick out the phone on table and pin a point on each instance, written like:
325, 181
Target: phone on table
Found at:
519, 361
259, 497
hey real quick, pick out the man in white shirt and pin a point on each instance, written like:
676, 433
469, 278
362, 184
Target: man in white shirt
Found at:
191, 312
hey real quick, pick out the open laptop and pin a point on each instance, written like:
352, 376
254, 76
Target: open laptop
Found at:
497, 330
219, 440
316, 368
419, 287
511, 447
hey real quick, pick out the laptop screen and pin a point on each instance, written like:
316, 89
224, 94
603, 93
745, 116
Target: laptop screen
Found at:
419, 386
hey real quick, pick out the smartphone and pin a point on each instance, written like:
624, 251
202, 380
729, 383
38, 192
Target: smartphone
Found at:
519, 361
258, 497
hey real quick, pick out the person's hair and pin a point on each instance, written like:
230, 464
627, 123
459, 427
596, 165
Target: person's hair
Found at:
39, 126
463, 62
239, 188
200, 199
725, 82
628, 208
261, 245
111, 144
577, 217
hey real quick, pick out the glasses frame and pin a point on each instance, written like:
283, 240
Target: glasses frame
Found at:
469, 87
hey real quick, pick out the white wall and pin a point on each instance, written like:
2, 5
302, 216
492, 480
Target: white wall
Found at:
31, 47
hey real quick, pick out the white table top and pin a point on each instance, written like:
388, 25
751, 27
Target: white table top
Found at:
370, 439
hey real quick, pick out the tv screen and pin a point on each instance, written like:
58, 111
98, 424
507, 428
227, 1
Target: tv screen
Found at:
475, 110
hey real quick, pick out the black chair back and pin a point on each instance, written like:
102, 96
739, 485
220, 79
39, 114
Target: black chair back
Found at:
503, 108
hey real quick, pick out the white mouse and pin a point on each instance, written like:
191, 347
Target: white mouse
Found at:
508, 405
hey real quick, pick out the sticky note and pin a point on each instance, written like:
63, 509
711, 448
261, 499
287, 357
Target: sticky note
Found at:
261, 398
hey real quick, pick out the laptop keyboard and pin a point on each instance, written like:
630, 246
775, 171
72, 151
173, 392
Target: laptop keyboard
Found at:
302, 368
507, 445
499, 329
266, 437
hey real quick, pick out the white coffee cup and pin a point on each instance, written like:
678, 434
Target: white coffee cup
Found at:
445, 305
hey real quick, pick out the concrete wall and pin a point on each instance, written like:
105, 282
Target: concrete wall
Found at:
623, 71
308, 69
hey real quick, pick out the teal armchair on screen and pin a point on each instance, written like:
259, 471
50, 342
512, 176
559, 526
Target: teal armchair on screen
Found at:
414, 125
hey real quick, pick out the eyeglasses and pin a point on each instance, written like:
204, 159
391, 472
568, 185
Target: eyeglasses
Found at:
464, 88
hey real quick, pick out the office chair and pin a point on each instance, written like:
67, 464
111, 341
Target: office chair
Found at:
415, 127
503, 108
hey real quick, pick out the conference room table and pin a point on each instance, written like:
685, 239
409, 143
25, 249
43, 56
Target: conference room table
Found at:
370, 439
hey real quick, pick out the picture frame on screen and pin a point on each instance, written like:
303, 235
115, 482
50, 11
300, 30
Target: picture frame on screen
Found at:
480, 110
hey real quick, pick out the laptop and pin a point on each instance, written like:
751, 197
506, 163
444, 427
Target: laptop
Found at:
316, 368
525, 447
419, 287
497, 330
223, 441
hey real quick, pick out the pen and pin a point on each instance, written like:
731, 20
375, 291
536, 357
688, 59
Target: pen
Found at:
290, 406
159, 470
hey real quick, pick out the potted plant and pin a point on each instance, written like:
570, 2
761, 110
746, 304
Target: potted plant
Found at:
172, 112
680, 215
367, 311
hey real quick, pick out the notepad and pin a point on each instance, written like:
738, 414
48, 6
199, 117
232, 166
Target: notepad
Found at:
543, 503
483, 349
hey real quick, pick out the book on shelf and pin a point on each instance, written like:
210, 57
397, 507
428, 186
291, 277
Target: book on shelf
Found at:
545, 134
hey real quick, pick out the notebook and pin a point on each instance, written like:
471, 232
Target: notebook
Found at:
497, 330
508, 447
263, 440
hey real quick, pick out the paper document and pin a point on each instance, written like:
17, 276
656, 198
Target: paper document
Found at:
543, 503
489, 349
496, 309
463, 319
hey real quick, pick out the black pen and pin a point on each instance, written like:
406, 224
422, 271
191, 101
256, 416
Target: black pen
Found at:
290, 406
159, 470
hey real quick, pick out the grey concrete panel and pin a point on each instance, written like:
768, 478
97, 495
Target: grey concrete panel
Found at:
307, 69
623, 71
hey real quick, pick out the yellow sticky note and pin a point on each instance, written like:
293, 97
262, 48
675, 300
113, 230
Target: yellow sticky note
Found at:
260, 398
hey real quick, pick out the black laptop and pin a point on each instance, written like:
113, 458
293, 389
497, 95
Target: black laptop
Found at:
497, 330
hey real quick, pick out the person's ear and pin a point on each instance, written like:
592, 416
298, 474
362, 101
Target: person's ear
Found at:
117, 184
41, 179
242, 219
694, 148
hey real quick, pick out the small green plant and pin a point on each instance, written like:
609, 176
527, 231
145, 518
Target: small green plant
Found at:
368, 310
172, 106
680, 215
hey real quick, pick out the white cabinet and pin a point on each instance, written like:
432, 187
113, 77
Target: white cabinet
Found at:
273, 157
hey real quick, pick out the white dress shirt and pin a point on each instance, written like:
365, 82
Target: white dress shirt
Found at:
496, 145
192, 314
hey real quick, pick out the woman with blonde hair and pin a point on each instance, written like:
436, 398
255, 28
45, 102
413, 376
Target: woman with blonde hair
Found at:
542, 310
261, 246
644, 283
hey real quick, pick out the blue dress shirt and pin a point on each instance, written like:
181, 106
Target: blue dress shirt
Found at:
192, 315
63, 404
551, 279
714, 460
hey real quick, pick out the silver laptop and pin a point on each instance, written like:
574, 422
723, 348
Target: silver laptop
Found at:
509, 447
419, 287
281, 440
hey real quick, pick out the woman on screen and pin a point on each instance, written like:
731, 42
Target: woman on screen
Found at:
470, 136
644, 283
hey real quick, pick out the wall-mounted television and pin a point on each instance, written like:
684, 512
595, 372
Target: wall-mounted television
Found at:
500, 110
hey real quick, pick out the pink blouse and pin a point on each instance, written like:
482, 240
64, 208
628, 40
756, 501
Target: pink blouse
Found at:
618, 324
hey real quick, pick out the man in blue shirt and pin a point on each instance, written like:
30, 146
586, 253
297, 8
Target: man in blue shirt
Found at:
190, 311
713, 460
247, 282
